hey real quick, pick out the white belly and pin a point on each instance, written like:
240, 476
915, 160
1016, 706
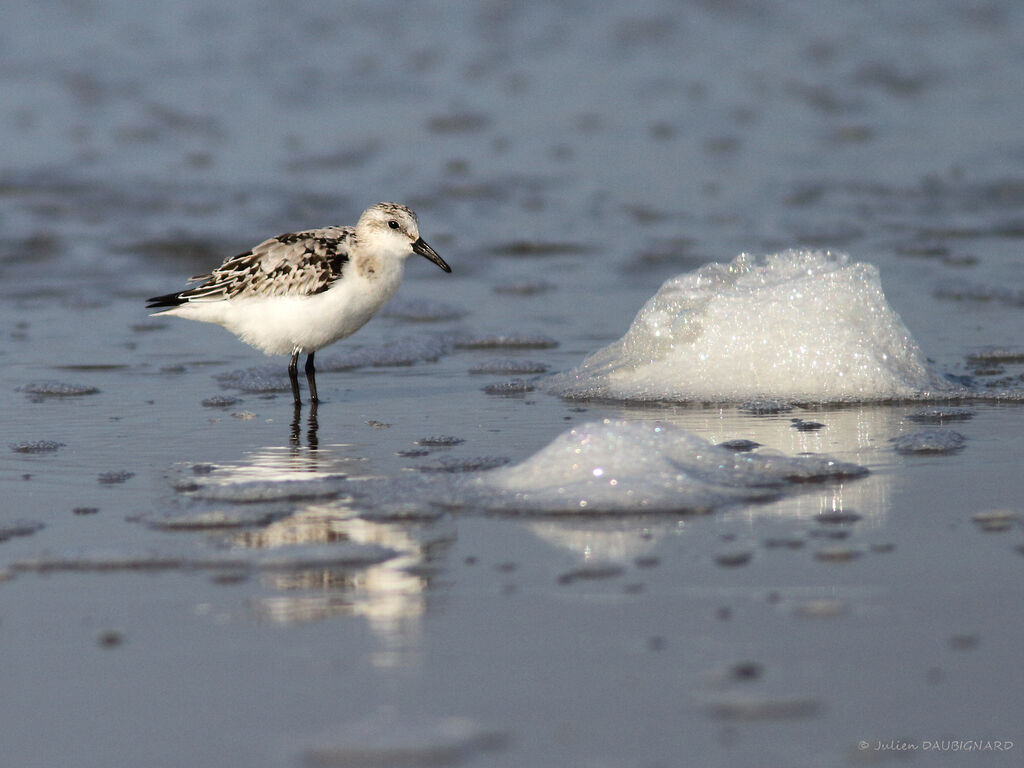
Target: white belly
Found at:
281, 325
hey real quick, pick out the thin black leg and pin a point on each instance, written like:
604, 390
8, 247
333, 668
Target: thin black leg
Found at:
311, 378
293, 375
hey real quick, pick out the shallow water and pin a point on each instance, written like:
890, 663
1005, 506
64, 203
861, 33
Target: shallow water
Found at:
194, 574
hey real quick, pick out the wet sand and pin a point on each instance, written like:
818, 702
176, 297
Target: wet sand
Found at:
194, 574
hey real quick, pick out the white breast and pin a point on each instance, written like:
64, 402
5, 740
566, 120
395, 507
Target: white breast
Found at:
281, 325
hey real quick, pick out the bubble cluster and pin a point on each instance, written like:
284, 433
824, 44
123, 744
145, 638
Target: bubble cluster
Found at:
801, 325
619, 466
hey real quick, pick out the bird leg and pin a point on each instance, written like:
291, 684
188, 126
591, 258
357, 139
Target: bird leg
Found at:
293, 375
311, 378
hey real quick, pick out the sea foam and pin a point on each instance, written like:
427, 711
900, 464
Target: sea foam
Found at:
623, 467
801, 325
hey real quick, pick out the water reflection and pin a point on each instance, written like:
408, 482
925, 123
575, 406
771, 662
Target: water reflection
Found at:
858, 434
313, 425
304, 489
613, 541
391, 595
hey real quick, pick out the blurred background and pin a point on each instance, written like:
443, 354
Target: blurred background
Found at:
660, 135
565, 157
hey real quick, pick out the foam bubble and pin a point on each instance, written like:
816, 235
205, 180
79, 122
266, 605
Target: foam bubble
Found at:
510, 366
57, 389
509, 388
628, 466
505, 341
929, 441
939, 414
801, 325
16, 528
36, 446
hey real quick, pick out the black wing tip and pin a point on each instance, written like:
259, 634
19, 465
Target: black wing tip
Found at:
167, 300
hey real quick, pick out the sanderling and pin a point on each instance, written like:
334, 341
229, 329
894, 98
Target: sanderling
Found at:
298, 292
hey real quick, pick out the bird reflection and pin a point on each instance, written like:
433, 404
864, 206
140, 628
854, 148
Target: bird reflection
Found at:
391, 595
312, 439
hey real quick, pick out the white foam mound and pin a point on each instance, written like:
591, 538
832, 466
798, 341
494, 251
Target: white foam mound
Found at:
618, 466
806, 326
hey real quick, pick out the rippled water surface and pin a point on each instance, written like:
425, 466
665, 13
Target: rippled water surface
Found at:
192, 573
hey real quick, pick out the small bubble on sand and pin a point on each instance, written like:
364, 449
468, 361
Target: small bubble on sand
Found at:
996, 355
765, 407
837, 555
964, 642
806, 426
231, 577
110, 638
540, 248
784, 542
510, 367
940, 414
505, 341
746, 671
733, 559
929, 441
56, 389
475, 464
18, 528
36, 446
509, 388
591, 572
219, 401
440, 441
458, 122
740, 445
996, 520
526, 288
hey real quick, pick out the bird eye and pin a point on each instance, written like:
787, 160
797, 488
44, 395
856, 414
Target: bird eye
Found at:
393, 224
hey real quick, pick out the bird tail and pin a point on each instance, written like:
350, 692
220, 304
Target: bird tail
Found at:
167, 300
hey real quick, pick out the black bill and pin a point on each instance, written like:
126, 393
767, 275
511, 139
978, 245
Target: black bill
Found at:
421, 247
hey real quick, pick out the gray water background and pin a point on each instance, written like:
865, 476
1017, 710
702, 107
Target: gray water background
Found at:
565, 158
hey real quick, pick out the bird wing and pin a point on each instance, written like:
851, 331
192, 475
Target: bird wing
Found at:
291, 264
